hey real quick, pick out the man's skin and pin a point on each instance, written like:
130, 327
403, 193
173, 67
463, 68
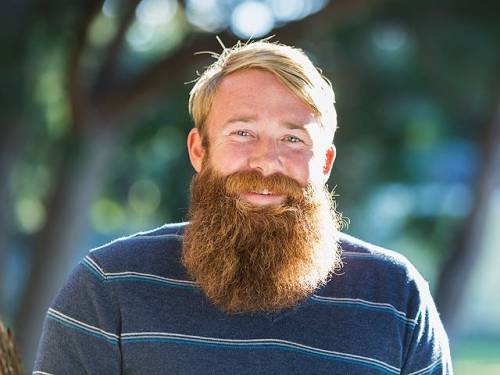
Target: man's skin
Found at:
257, 123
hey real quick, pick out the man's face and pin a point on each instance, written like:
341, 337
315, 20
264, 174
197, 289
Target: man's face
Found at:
263, 228
257, 123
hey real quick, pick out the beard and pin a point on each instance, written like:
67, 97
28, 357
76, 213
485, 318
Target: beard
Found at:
250, 258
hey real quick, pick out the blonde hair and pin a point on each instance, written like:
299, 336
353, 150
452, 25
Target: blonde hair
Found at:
289, 64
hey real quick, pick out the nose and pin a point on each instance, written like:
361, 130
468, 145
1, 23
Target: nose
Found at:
266, 157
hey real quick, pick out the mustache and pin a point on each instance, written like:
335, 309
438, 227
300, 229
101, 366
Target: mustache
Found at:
253, 181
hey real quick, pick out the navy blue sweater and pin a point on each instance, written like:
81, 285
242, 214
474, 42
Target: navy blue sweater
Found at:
130, 308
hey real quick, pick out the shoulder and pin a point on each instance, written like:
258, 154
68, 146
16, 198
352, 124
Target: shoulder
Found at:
375, 261
378, 275
155, 251
380, 279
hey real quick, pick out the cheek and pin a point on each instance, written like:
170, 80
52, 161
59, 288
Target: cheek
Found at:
316, 167
227, 160
298, 165
306, 167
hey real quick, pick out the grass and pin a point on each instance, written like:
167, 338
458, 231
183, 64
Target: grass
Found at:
477, 357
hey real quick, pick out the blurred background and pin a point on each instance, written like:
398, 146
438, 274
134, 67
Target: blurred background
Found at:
94, 119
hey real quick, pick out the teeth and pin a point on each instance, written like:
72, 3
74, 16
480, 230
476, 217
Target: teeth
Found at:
263, 192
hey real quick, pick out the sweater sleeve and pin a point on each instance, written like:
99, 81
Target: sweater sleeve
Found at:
81, 333
428, 351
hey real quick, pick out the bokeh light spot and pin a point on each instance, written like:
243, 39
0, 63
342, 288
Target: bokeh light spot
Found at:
156, 28
102, 30
156, 12
390, 38
206, 15
30, 215
287, 10
106, 216
139, 35
110, 8
252, 19
144, 197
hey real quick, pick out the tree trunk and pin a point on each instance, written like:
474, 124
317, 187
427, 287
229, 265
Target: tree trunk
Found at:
10, 145
468, 246
15, 25
82, 173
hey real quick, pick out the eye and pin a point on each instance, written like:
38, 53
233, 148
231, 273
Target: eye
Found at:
242, 133
293, 139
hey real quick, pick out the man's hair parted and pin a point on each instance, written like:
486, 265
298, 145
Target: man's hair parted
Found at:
289, 64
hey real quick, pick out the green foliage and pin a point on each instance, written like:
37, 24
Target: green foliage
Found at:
416, 84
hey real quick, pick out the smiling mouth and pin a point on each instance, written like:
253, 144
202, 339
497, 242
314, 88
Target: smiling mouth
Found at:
263, 198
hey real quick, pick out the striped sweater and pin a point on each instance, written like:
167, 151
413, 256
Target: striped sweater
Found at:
130, 308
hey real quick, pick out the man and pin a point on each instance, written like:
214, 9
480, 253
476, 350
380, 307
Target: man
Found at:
261, 280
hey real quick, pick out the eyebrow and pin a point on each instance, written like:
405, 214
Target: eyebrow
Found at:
288, 125
293, 126
241, 119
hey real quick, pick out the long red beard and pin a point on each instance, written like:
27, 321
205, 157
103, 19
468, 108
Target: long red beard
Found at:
248, 258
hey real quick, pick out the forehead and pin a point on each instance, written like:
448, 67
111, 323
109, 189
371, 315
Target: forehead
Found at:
258, 93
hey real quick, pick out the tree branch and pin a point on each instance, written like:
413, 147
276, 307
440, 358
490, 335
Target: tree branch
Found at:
169, 72
108, 68
77, 95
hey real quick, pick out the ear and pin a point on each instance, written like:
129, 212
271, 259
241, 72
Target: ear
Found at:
330, 154
195, 149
